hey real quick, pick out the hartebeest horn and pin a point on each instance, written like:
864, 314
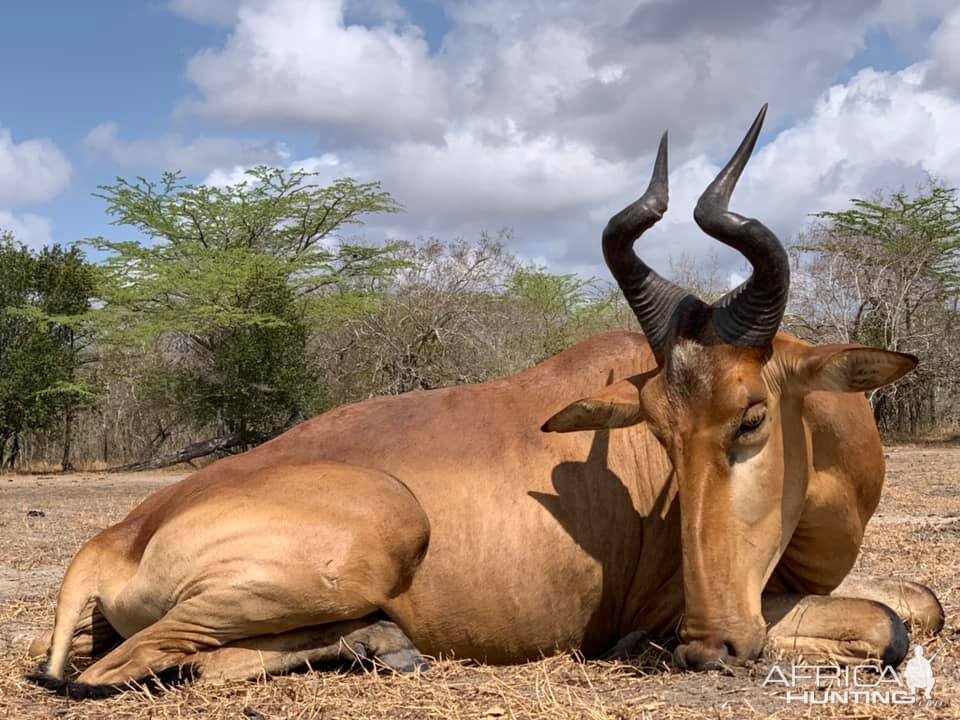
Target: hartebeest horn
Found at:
653, 299
750, 314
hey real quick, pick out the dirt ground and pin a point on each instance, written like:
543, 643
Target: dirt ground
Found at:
45, 518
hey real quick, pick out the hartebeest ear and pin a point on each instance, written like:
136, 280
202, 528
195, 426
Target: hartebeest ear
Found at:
617, 405
853, 368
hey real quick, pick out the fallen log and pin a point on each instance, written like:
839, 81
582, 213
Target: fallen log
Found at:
190, 452
223, 445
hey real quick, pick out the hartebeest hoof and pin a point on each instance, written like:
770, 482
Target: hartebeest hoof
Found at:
405, 661
630, 645
42, 677
390, 646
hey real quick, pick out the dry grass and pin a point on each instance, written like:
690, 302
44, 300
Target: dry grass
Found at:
915, 535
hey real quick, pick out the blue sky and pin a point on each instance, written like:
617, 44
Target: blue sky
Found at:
538, 116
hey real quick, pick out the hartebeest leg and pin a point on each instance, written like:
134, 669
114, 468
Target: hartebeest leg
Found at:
916, 604
209, 580
379, 640
172, 643
834, 629
206, 623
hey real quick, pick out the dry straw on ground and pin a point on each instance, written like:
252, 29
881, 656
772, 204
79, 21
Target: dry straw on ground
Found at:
915, 535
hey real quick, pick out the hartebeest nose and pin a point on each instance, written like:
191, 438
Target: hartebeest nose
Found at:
714, 653
701, 655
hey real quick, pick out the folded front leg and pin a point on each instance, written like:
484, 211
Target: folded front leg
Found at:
916, 604
824, 629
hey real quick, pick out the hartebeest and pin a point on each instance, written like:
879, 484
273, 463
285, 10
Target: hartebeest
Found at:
719, 488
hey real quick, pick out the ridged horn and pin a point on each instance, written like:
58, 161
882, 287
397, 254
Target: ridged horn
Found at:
750, 314
653, 299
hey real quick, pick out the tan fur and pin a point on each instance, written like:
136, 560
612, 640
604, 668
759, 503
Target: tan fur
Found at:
482, 536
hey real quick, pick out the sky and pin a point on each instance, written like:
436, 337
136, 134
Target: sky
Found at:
540, 116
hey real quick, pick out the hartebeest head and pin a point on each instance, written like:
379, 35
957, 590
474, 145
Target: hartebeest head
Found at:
725, 401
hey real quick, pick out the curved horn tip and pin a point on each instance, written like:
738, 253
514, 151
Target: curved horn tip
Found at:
754, 132
719, 191
657, 195
660, 171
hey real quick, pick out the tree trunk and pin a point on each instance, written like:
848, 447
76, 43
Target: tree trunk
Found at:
65, 463
14, 451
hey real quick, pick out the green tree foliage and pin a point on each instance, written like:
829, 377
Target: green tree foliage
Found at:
886, 273
464, 313
243, 377
227, 283
234, 311
563, 305
44, 303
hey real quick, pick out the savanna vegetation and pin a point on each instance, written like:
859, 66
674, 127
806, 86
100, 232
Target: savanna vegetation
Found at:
223, 316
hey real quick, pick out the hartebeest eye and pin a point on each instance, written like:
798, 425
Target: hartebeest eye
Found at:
752, 420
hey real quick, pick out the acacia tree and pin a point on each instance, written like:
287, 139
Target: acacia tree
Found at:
24, 369
44, 303
65, 284
440, 323
886, 273
225, 286
560, 309
463, 312
700, 276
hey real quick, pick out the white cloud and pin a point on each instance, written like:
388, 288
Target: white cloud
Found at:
543, 115
608, 75
468, 179
31, 171
880, 130
375, 12
171, 152
945, 53
294, 62
31, 230
327, 168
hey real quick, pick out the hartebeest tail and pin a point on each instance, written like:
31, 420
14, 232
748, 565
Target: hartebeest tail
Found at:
80, 586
